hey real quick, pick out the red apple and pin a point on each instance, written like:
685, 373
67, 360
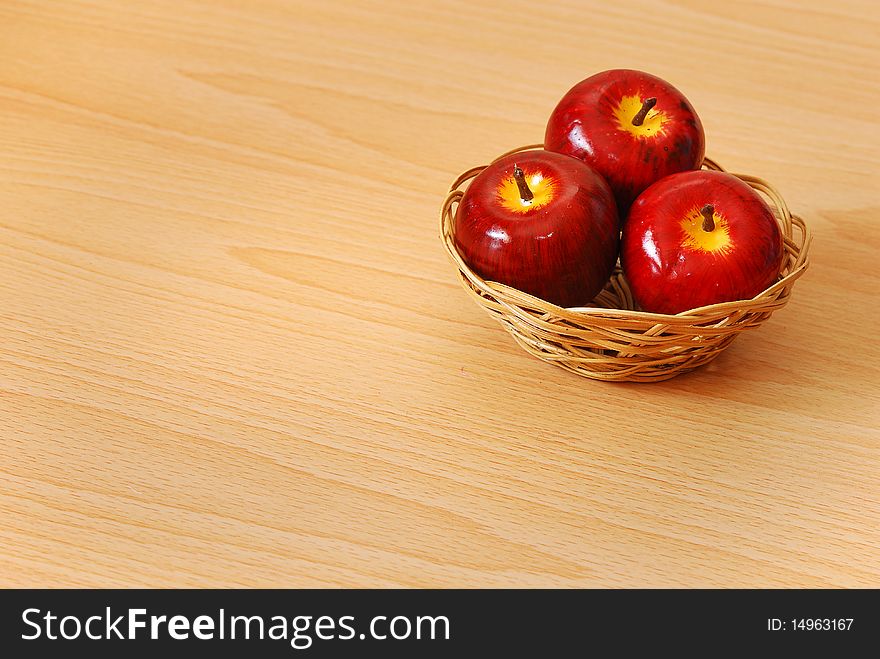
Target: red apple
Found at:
631, 127
699, 238
541, 222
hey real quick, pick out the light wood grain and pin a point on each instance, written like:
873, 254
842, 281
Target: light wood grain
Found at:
233, 352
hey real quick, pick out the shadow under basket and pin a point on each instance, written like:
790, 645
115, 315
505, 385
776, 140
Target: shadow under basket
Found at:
611, 340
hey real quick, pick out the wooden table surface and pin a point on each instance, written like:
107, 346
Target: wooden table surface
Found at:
234, 353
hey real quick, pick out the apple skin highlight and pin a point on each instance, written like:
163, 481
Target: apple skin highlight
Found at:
673, 264
594, 122
561, 245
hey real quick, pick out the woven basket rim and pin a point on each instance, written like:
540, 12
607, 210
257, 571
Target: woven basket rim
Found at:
793, 268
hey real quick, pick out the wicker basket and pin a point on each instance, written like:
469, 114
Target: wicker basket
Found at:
610, 340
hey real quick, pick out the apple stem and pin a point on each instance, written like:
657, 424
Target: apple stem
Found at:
524, 190
708, 211
639, 119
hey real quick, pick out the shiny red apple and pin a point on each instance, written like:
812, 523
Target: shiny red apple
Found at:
541, 222
699, 238
631, 127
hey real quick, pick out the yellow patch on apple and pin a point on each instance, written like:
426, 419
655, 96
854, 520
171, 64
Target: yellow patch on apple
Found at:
698, 239
543, 188
629, 107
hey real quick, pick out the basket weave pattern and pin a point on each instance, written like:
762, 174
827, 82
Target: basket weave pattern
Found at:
611, 340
